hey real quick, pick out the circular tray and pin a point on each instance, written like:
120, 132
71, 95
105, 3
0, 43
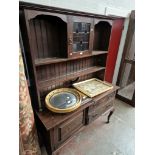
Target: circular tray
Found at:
63, 100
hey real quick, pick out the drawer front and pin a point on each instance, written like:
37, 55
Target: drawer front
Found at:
98, 111
102, 102
69, 127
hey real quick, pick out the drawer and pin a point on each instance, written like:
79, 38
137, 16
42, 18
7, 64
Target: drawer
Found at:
67, 129
102, 102
98, 111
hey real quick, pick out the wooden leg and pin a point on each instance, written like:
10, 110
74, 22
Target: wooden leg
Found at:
109, 116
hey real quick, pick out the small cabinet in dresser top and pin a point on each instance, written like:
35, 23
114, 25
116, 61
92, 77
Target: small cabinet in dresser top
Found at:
80, 34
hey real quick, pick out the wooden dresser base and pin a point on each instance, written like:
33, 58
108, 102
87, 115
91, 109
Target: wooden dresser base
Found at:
57, 129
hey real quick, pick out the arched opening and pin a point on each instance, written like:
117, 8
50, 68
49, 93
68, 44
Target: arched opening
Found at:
49, 36
102, 36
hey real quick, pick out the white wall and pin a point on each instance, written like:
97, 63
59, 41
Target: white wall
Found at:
92, 6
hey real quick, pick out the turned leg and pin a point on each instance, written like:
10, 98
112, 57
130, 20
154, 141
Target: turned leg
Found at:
109, 116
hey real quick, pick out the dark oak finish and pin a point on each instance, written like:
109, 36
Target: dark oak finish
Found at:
58, 124
50, 119
101, 109
109, 116
100, 106
53, 39
128, 58
102, 31
48, 33
39, 62
67, 77
80, 35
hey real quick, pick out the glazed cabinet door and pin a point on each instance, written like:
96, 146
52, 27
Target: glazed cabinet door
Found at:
80, 36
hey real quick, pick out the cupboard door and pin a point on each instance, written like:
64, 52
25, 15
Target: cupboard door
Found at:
80, 36
67, 129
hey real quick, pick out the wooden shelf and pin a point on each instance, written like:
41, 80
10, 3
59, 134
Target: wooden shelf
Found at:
81, 32
53, 81
46, 61
75, 42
